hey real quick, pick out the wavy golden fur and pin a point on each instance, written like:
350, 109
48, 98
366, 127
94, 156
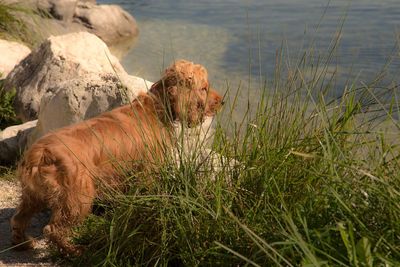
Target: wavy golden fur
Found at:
62, 170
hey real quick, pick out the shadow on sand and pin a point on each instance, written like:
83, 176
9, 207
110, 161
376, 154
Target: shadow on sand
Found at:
36, 257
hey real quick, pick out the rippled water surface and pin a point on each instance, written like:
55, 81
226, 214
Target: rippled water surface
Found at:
235, 38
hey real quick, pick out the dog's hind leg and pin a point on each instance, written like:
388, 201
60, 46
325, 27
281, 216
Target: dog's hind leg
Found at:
67, 212
20, 221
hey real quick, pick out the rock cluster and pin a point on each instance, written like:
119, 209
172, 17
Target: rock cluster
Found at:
67, 79
63, 58
72, 75
116, 27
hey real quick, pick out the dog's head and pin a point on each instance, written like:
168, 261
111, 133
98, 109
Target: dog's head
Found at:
186, 92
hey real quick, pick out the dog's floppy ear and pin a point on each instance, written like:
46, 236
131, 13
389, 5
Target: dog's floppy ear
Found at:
163, 92
167, 98
157, 87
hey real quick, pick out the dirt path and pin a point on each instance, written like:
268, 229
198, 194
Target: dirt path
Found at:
9, 197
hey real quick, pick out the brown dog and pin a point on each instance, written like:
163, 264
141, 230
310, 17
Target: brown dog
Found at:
63, 169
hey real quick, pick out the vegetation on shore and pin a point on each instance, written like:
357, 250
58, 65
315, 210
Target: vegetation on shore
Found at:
300, 181
7, 112
13, 26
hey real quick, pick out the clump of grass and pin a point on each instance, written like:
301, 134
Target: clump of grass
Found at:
7, 112
14, 27
7, 173
303, 181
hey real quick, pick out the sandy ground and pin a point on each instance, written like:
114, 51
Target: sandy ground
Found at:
9, 197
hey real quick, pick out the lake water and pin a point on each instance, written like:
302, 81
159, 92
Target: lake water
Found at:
235, 38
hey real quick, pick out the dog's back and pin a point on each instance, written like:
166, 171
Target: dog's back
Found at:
127, 134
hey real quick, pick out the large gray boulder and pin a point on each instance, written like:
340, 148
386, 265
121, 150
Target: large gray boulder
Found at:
59, 59
11, 54
58, 9
109, 22
82, 98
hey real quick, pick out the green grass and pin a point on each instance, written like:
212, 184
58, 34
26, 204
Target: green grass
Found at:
11, 26
7, 173
7, 112
19, 22
302, 180
299, 180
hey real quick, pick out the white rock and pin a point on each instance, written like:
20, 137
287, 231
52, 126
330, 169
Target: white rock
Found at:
59, 59
11, 54
13, 141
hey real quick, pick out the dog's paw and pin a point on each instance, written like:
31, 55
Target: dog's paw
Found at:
22, 242
72, 250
